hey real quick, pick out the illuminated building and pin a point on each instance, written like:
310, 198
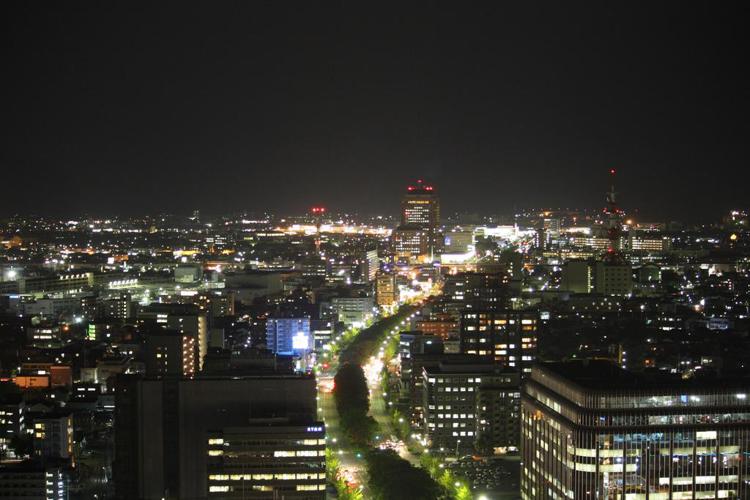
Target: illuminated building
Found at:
370, 265
459, 241
12, 418
593, 430
410, 243
644, 244
33, 479
507, 337
452, 405
420, 206
167, 434
117, 306
386, 291
188, 273
602, 277
52, 435
613, 278
63, 282
485, 291
417, 238
267, 459
441, 325
45, 335
353, 310
289, 335
183, 318
170, 353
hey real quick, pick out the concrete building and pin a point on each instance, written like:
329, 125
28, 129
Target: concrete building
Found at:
289, 335
33, 480
53, 436
613, 279
593, 430
507, 337
184, 318
170, 353
386, 291
475, 290
370, 266
454, 413
267, 459
168, 430
353, 310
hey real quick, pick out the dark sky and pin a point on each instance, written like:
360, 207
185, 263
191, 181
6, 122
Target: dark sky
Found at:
138, 107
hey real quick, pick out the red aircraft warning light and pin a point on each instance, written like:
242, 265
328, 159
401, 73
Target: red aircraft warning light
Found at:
318, 210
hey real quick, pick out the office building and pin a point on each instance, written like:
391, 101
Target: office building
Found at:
410, 244
353, 311
593, 430
178, 438
417, 237
267, 459
508, 337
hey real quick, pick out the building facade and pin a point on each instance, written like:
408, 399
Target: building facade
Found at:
593, 430
508, 337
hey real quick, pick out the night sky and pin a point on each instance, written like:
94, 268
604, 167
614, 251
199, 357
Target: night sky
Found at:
130, 107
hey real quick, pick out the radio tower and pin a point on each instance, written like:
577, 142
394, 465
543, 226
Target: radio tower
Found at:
317, 213
614, 222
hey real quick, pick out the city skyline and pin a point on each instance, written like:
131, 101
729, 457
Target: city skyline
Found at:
280, 106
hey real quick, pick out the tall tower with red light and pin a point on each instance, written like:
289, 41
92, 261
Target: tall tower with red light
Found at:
420, 220
614, 221
317, 213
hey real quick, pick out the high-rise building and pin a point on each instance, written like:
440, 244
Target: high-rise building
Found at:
475, 290
183, 318
455, 413
117, 306
410, 244
593, 430
386, 292
507, 337
417, 237
243, 436
370, 265
170, 353
420, 206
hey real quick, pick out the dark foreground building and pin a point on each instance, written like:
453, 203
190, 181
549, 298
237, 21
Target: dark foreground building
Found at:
253, 437
591, 430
